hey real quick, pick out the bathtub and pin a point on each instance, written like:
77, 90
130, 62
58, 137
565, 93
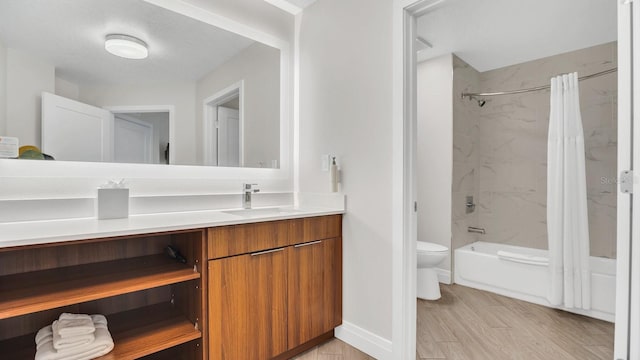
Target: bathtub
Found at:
522, 273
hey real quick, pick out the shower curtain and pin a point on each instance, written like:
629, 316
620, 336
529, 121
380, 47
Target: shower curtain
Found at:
567, 218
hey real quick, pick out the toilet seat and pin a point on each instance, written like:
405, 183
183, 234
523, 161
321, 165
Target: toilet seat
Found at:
427, 247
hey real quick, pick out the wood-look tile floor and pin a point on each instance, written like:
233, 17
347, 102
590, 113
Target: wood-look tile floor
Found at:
472, 324
334, 350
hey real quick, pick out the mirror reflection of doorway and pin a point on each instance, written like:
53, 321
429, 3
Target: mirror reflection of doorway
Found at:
141, 138
223, 128
228, 133
73, 130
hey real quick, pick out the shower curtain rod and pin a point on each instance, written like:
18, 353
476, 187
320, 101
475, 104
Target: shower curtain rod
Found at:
586, 77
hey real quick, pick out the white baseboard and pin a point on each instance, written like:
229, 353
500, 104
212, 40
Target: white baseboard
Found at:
365, 341
444, 276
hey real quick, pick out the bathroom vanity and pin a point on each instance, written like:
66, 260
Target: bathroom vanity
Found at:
252, 287
257, 284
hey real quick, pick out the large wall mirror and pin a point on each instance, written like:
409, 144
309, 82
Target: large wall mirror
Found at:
195, 95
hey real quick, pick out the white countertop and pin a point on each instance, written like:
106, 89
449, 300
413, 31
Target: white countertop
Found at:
52, 231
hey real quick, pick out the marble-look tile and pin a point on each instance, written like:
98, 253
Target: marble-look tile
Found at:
511, 176
459, 234
515, 218
459, 208
602, 225
465, 145
500, 149
466, 142
510, 145
464, 177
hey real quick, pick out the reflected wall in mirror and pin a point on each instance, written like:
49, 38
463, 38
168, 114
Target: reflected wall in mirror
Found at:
203, 96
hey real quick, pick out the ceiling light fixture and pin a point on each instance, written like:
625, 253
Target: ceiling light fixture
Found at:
126, 46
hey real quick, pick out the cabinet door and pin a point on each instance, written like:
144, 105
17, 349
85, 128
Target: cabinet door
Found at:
315, 289
247, 306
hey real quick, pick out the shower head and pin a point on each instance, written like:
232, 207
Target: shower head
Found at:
481, 102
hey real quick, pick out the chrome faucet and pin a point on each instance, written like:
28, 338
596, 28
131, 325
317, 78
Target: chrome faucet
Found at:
247, 190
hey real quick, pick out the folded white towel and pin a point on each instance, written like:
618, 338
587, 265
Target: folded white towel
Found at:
45, 334
99, 319
63, 343
102, 345
70, 325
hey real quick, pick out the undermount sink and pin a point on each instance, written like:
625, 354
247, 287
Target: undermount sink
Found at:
261, 211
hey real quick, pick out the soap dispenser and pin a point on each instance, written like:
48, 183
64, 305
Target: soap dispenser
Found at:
334, 175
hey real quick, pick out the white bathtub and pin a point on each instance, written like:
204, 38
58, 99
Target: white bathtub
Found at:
522, 273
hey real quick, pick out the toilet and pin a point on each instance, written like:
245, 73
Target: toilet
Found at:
429, 255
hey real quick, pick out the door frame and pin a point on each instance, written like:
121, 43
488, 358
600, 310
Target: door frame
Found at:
404, 221
131, 119
128, 109
404, 199
210, 117
627, 323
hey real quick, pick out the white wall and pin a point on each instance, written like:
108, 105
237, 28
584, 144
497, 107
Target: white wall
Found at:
27, 78
435, 151
259, 67
181, 95
67, 89
3, 89
346, 110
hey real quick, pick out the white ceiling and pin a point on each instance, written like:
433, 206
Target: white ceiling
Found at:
291, 6
70, 35
490, 34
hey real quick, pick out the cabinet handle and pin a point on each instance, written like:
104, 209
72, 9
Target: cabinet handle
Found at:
307, 244
266, 252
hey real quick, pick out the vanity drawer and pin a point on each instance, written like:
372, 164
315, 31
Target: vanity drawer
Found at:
241, 239
315, 228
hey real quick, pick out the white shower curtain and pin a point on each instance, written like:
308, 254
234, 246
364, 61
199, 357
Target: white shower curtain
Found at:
567, 218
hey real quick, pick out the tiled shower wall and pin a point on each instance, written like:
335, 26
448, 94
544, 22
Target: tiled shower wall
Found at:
508, 137
466, 155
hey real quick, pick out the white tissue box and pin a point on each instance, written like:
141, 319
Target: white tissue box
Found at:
113, 203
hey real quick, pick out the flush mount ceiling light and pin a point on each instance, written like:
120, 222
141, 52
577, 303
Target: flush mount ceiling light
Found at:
126, 46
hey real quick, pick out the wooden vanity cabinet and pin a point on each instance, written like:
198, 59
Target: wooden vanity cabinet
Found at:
248, 306
276, 293
154, 304
314, 289
268, 290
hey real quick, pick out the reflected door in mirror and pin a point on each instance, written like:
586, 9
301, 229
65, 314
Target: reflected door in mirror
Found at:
75, 131
132, 140
228, 136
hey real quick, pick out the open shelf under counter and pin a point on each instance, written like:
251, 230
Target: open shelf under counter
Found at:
136, 333
30, 292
